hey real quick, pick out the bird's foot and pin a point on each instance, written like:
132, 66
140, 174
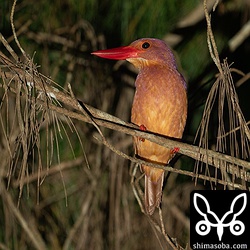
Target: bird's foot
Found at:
143, 128
175, 150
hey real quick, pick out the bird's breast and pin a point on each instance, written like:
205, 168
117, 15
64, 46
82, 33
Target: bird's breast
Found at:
160, 102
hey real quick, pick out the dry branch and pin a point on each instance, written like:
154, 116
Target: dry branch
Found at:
49, 97
27, 226
22, 80
83, 112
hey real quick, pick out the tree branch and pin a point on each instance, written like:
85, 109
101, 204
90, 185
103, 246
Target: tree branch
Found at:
83, 112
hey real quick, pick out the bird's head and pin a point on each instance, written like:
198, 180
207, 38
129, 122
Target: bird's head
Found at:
142, 52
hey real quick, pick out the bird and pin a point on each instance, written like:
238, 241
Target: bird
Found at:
159, 106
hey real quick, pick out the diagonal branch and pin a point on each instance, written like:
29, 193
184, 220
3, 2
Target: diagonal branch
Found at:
74, 109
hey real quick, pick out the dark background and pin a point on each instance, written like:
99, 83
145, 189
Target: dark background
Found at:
90, 204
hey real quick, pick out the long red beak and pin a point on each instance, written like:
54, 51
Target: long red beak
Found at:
121, 53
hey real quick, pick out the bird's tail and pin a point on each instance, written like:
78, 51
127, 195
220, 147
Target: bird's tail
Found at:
153, 192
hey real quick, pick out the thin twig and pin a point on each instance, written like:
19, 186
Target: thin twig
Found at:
210, 38
14, 30
31, 231
103, 119
8, 47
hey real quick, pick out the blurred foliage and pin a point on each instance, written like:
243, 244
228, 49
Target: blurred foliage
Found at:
112, 217
124, 21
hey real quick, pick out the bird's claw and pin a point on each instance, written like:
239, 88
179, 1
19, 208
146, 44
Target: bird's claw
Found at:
143, 128
175, 150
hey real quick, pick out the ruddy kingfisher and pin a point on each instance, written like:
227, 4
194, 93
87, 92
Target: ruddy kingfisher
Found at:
159, 106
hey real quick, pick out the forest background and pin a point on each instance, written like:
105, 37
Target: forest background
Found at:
67, 182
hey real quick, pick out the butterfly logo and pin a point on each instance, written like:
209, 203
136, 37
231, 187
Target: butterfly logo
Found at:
210, 219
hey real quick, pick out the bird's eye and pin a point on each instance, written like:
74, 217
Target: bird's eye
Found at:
145, 45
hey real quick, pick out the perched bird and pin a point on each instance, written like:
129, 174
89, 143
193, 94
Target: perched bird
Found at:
159, 106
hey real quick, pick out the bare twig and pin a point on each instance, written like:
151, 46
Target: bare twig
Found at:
14, 30
22, 79
223, 89
8, 47
48, 172
43, 84
210, 38
31, 231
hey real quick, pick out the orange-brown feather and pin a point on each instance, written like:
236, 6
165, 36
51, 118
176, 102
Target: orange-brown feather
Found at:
160, 104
